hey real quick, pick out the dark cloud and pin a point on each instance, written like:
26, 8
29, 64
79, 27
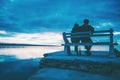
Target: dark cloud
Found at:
2, 2
57, 15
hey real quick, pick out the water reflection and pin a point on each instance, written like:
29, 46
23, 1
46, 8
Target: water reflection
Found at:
30, 51
38, 51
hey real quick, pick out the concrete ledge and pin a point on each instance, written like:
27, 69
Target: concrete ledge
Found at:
92, 64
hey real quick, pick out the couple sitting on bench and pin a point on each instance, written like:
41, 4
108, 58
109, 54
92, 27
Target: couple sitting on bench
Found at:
84, 28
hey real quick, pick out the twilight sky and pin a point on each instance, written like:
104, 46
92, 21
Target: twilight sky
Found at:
43, 21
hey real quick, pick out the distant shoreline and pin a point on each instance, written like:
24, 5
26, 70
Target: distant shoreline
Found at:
7, 45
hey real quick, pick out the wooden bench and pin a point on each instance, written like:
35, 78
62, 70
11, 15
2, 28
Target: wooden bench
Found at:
100, 33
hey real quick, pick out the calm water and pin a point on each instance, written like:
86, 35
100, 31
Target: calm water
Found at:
29, 52
35, 51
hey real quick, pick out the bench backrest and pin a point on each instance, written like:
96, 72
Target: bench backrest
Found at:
102, 33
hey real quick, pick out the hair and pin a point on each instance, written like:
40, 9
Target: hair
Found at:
86, 21
76, 24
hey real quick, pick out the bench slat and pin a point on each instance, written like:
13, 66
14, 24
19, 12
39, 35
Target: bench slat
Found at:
77, 33
83, 36
102, 31
88, 44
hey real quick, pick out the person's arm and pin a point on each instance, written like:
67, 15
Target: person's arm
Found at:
91, 29
72, 30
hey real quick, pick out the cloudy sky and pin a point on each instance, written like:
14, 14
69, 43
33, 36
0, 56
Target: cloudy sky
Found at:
43, 21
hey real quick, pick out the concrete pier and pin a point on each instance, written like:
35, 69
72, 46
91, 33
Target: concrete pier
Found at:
96, 65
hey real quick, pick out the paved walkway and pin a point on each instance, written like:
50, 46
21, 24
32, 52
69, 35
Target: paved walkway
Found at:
62, 74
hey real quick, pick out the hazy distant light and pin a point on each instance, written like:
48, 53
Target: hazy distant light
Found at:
116, 33
51, 38
3, 32
97, 26
106, 24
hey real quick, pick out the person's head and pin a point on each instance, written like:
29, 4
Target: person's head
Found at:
76, 25
86, 21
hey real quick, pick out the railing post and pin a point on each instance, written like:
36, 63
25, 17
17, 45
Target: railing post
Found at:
111, 46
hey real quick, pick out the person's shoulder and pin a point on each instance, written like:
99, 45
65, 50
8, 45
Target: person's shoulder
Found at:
82, 26
90, 26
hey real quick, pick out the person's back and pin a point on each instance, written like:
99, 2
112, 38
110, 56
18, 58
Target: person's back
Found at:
74, 30
87, 28
75, 40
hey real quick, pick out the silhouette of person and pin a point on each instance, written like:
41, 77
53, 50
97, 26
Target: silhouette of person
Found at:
117, 52
75, 40
86, 28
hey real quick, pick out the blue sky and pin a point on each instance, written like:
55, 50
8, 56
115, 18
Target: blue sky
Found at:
43, 21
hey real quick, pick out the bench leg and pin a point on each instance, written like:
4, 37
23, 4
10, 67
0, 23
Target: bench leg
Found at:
111, 51
79, 51
67, 50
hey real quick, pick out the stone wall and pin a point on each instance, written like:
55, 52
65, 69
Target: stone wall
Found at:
103, 68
